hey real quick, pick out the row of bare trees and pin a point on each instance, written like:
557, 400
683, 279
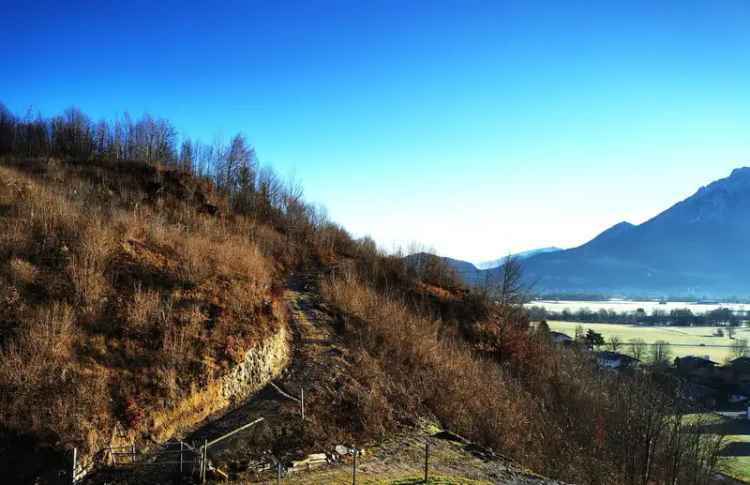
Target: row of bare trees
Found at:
74, 136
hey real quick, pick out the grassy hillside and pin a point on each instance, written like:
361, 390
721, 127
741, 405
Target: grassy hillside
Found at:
121, 295
131, 288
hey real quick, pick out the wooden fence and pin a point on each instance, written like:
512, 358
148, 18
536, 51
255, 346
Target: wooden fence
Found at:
189, 458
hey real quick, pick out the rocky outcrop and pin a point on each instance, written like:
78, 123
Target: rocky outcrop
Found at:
260, 365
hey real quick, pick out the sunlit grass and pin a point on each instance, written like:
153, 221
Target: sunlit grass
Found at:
436, 480
734, 466
698, 338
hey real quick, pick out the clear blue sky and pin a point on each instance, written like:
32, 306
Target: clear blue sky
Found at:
475, 127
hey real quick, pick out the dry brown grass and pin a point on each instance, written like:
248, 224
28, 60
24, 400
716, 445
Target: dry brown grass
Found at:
114, 303
410, 371
548, 408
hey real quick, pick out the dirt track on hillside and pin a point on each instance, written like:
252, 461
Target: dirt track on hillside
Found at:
318, 361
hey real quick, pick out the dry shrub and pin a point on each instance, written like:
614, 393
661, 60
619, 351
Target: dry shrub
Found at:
206, 257
106, 297
144, 312
177, 337
411, 371
21, 272
37, 374
90, 257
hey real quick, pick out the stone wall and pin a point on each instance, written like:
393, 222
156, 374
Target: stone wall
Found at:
260, 365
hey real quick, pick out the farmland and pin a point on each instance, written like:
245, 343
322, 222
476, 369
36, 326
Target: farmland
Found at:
685, 340
633, 305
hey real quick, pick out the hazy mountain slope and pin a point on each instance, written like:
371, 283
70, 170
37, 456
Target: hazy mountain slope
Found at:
696, 247
477, 274
522, 255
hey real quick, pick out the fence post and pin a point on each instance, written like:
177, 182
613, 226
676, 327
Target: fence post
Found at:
180, 457
204, 467
278, 473
426, 461
354, 466
302, 400
132, 451
75, 459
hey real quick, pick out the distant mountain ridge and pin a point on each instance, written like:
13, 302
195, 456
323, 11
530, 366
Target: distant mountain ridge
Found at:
522, 255
699, 246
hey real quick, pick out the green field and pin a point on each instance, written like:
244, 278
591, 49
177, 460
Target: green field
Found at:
691, 340
736, 452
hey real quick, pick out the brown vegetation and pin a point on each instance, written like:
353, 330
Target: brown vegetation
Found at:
127, 287
116, 301
548, 408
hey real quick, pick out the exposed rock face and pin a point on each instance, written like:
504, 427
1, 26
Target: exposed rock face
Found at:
260, 365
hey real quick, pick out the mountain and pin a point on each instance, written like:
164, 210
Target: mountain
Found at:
522, 255
474, 273
697, 247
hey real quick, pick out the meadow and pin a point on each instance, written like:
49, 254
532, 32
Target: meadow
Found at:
699, 341
736, 451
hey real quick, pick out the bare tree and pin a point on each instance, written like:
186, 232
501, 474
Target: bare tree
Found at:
661, 353
740, 348
614, 343
637, 348
187, 156
511, 288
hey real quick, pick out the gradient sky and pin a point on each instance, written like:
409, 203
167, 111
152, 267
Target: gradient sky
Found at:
477, 128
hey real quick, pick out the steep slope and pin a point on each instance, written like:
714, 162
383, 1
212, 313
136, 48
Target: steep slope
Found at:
522, 255
132, 308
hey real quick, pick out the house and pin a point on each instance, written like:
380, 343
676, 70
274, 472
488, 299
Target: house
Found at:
701, 394
615, 360
694, 366
737, 374
560, 338
741, 366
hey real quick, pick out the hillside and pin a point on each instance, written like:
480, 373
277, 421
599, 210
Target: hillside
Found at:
125, 287
522, 255
695, 248
161, 298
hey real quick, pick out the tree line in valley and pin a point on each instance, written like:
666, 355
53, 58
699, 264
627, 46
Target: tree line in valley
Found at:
677, 316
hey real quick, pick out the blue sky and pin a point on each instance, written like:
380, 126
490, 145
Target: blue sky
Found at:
476, 128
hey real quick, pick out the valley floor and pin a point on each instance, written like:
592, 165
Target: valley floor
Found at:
698, 341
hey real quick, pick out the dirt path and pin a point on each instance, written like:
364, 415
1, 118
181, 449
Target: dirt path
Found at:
400, 460
318, 360
313, 347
